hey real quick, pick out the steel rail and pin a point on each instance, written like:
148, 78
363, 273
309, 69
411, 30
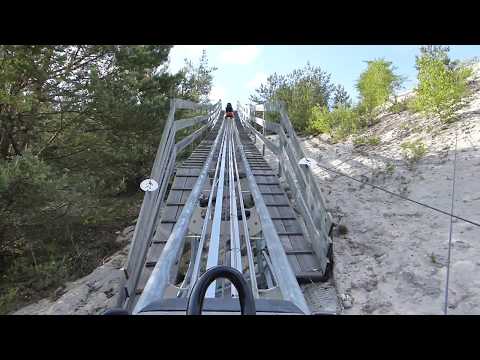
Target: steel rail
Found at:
269, 266
214, 243
246, 235
196, 267
193, 254
235, 251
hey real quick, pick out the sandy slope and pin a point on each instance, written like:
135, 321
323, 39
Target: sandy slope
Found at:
392, 260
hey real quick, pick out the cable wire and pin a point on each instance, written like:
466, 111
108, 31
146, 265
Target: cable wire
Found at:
398, 195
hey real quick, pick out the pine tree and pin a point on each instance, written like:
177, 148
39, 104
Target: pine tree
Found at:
341, 97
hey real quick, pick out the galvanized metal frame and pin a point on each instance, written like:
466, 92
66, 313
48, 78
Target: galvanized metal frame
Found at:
208, 214
214, 243
162, 170
300, 178
246, 236
284, 274
160, 277
236, 258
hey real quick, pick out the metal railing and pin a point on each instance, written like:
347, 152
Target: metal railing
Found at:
306, 192
161, 276
162, 170
286, 280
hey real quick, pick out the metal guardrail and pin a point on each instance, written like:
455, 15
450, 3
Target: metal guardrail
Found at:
286, 279
160, 277
299, 176
162, 170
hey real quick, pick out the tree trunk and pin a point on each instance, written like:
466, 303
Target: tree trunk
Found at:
4, 144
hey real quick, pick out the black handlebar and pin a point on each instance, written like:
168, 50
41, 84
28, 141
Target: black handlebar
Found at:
195, 301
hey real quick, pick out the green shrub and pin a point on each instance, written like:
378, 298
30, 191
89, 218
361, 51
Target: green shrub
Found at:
413, 151
442, 87
399, 106
301, 90
374, 140
341, 122
27, 185
272, 116
366, 140
390, 168
360, 140
7, 299
412, 105
320, 121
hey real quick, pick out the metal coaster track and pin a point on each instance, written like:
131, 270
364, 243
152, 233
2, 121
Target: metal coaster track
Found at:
223, 215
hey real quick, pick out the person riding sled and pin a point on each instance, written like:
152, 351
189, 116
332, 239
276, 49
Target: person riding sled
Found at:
229, 111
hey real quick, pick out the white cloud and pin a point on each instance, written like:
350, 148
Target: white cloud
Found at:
179, 52
258, 79
218, 93
240, 55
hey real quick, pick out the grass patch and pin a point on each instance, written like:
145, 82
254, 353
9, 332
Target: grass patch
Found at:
414, 150
366, 140
399, 107
390, 168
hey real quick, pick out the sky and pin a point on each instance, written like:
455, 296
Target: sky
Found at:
242, 68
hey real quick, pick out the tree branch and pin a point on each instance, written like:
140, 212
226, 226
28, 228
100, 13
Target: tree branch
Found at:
68, 155
52, 138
